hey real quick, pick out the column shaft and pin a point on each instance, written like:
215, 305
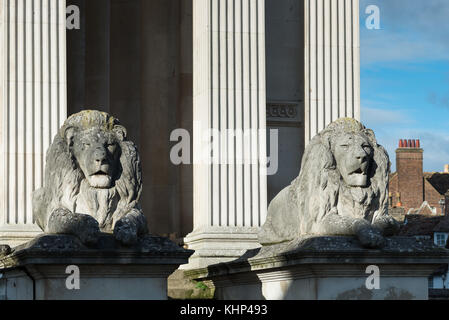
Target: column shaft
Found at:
229, 98
332, 63
32, 105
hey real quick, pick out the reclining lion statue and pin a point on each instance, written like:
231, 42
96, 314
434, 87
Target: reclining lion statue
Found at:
342, 190
92, 182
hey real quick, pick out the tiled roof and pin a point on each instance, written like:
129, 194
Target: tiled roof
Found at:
440, 181
420, 225
443, 226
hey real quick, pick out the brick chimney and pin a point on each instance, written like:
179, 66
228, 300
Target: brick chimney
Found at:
409, 167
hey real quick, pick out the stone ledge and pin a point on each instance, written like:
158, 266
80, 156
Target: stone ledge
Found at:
214, 232
327, 250
57, 249
37, 270
315, 268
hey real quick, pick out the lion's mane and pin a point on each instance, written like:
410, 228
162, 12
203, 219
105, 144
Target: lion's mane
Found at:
320, 186
63, 176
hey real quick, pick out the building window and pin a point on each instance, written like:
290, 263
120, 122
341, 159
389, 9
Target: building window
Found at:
440, 239
430, 279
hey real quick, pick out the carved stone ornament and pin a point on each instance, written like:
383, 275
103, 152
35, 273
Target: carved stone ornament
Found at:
93, 182
342, 189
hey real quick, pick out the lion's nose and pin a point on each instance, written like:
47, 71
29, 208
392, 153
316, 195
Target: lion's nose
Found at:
361, 156
99, 155
362, 159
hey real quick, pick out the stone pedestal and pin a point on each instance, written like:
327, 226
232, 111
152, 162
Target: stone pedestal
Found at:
219, 244
327, 268
37, 270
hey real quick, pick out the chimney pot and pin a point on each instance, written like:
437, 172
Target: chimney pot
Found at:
418, 144
409, 143
401, 144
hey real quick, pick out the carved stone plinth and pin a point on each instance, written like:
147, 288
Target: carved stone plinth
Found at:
37, 270
326, 268
213, 245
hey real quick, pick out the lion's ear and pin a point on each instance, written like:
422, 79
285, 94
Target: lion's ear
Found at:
370, 134
69, 135
121, 132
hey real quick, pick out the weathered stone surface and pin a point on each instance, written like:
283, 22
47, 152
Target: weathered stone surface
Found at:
219, 244
328, 249
109, 270
342, 190
181, 287
333, 246
4, 250
316, 268
66, 249
93, 182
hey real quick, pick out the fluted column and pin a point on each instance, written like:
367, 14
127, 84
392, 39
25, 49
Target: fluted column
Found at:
229, 94
332, 63
32, 105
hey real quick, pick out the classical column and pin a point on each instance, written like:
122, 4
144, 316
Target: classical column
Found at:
229, 94
332, 63
32, 105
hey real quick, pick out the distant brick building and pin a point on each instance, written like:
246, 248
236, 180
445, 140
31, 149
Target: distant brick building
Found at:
413, 189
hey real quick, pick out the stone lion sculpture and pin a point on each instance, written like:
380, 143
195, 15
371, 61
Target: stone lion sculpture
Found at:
92, 182
342, 190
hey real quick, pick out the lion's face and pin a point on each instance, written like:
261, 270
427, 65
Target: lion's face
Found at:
97, 154
353, 155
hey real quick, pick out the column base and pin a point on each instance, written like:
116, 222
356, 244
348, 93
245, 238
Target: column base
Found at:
15, 235
214, 245
327, 268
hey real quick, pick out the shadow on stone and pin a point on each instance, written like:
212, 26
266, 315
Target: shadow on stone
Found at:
109, 271
326, 268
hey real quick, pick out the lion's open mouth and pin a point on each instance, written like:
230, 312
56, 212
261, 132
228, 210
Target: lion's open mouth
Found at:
100, 173
361, 170
100, 180
358, 171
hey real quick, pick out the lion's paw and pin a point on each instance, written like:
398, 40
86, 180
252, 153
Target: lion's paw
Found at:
371, 238
126, 231
88, 230
388, 225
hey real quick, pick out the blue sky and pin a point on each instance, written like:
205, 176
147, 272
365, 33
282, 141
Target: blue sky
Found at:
405, 76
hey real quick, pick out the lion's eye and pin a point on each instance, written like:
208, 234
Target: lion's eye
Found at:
367, 148
111, 148
344, 146
86, 145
